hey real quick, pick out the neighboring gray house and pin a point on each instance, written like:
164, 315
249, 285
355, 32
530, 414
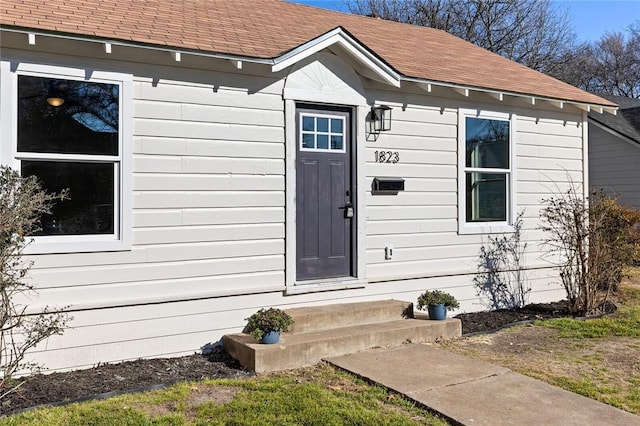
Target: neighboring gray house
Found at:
222, 157
614, 151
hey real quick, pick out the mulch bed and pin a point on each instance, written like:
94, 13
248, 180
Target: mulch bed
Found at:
112, 379
479, 322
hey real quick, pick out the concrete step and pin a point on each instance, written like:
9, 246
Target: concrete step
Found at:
327, 317
302, 349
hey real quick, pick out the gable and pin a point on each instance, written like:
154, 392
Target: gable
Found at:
324, 78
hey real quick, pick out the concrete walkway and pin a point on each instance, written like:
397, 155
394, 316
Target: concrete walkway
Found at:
474, 392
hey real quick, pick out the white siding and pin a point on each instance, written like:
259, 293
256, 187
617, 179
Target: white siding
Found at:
209, 213
208, 200
420, 223
613, 166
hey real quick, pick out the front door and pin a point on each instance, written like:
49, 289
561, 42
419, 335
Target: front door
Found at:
324, 195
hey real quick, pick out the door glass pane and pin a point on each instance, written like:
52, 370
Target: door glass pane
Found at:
89, 209
308, 124
336, 142
336, 126
486, 197
323, 124
323, 142
487, 143
307, 140
67, 116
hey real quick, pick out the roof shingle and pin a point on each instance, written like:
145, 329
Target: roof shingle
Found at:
626, 122
266, 29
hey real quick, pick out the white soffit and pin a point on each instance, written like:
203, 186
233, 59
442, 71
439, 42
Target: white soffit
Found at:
343, 39
427, 86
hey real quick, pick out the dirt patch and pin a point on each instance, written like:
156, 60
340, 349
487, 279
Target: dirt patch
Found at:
198, 395
318, 373
218, 395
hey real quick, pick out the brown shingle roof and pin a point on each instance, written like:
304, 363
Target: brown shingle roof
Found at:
268, 28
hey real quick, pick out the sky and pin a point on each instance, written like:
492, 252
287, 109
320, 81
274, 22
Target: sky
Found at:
591, 18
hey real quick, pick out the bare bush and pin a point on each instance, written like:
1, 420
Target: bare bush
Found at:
22, 202
591, 242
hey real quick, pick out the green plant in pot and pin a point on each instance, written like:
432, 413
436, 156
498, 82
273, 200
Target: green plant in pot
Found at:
437, 303
266, 324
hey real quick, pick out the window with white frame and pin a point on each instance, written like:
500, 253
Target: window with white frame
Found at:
72, 133
486, 165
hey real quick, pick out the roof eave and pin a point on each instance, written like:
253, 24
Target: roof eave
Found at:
465, 90
32, 34
337, 36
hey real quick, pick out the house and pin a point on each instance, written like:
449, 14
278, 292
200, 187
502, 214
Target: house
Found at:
224, 156
614, 151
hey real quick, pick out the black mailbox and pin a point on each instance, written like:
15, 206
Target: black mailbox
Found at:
388, 185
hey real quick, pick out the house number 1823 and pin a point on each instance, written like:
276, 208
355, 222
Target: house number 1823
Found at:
387, 156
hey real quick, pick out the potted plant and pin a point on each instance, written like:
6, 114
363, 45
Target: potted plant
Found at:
266, 324
437, 303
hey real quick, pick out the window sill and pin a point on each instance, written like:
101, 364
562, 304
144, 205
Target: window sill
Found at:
485, 228
75, 244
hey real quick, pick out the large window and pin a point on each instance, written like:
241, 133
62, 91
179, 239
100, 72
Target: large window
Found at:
486, 180
72, 132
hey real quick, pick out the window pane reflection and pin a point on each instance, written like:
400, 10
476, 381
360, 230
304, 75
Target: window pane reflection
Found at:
323, 124
486, 197
90, 207
487, 143
86, 121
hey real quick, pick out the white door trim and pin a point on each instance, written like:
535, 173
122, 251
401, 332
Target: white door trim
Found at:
357, 102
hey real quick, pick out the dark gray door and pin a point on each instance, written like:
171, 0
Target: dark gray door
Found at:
324, 203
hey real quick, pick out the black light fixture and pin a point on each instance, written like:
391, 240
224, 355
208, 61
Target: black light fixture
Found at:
380, 118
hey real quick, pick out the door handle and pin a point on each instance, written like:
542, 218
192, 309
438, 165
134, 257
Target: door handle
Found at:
348, 210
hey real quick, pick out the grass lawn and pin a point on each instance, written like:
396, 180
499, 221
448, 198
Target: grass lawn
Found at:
598, 358
318, 395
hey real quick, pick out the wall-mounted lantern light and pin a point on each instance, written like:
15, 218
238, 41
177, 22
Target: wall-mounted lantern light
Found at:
378, 120
381, 118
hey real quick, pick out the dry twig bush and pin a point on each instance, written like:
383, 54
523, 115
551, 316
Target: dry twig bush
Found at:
592, 243
22, 202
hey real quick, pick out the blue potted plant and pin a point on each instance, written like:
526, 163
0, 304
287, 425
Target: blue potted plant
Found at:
266, 325
437, 303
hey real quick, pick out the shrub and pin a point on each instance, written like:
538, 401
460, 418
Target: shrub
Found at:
437, 297
22, 202
267, 320
593, 242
